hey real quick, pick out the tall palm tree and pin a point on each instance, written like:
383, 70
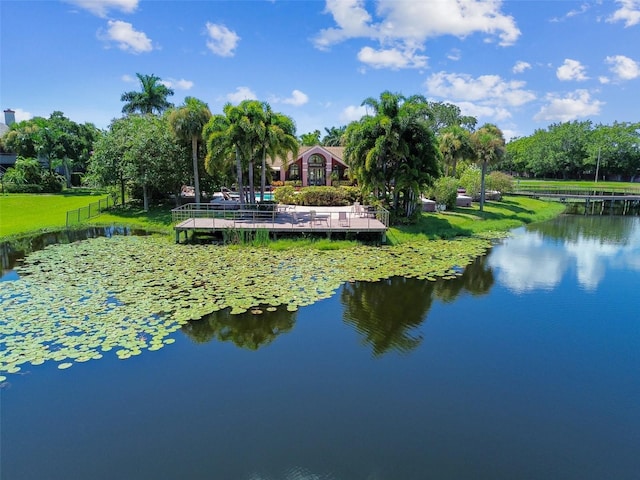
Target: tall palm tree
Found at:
454, 144
152, 98
187, 123
394, 150
278, 139
489, 145
334, 136
231, 137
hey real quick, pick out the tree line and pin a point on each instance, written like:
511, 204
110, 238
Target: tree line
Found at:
396, 152
577, 150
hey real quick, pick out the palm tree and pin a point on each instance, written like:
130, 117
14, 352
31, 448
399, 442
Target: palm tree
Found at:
230, 137
278, 139
394, 151
489, 145
152, 98
334, 135
187, 123
454, 144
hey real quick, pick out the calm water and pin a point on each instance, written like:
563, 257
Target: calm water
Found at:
527, 367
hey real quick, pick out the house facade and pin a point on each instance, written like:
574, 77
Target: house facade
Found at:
314, 166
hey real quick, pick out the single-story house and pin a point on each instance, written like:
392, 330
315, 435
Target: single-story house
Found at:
314, 166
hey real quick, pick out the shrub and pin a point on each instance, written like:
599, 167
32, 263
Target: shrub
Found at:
285, 194
470, 180
445, 190
500, 181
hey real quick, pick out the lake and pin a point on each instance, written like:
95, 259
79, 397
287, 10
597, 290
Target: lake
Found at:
525, 367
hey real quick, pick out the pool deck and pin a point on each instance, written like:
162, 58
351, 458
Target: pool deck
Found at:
284, 219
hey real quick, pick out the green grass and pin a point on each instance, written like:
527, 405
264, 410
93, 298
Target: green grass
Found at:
497, 217
568, 185
22, 213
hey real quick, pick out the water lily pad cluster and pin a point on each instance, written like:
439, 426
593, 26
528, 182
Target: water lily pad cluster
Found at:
74, 302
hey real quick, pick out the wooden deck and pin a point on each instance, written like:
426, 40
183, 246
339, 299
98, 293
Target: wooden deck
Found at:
284, 220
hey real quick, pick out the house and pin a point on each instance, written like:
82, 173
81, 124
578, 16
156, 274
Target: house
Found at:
7, 159
314, 166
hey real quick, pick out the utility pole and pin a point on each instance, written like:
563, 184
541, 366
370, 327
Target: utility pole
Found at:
598, 165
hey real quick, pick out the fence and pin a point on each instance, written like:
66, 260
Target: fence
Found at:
94, 209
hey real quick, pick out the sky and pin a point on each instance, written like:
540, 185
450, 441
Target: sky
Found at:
520, 64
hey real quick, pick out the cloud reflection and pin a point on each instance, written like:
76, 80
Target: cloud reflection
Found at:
533, 260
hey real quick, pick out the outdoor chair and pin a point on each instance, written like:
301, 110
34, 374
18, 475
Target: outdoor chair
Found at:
343, 219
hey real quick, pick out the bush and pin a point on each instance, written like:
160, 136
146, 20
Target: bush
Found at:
445, 191
323, 196
285, 194
500, 181
21, 188
470, 180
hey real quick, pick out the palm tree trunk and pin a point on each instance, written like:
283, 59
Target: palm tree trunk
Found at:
145, 198
239, 175
484, 171
252, 190
196, 177
263, 174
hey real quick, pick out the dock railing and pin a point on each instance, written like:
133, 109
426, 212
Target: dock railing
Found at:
279, 216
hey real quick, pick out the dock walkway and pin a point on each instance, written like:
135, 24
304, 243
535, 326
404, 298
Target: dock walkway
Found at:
283, 219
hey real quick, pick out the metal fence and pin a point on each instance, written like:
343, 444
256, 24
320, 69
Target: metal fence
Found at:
94, 209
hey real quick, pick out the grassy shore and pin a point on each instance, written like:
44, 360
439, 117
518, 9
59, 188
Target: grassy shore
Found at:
28, 214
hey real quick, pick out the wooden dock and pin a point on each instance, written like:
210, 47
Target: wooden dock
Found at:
210, 219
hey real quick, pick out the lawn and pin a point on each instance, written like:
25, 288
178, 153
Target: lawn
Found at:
503, 216
23, 212
576, 186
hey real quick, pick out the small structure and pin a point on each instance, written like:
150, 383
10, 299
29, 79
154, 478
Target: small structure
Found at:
428, 205
463, 201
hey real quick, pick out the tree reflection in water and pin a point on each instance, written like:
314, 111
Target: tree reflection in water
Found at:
388, 313
245, 330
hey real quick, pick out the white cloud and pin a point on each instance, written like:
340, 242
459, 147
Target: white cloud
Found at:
101, 7
126, 37
296, 99
628, 12
241, 93
574, 105
492, 88
623, 67
604, 80
128, 78
403, 27
391, 58
454, 55
571, 70
352, 113
181, 84
221, 40
520, 67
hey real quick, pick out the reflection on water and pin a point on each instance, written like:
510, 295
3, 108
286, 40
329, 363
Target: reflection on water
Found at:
247, 330
587, 246
388, 313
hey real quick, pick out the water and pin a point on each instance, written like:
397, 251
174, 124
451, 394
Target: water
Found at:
526, 367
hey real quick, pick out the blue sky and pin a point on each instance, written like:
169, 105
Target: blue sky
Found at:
519, 64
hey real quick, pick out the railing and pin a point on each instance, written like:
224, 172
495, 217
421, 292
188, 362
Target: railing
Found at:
94, 209
564, 190
280, 215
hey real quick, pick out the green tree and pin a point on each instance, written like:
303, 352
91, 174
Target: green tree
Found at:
187, 122
152, 98
311, 138
277, 134
231, 137
444, 115
454, 143
142, 151
334, 136
489, 145
393, 152
55, 141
